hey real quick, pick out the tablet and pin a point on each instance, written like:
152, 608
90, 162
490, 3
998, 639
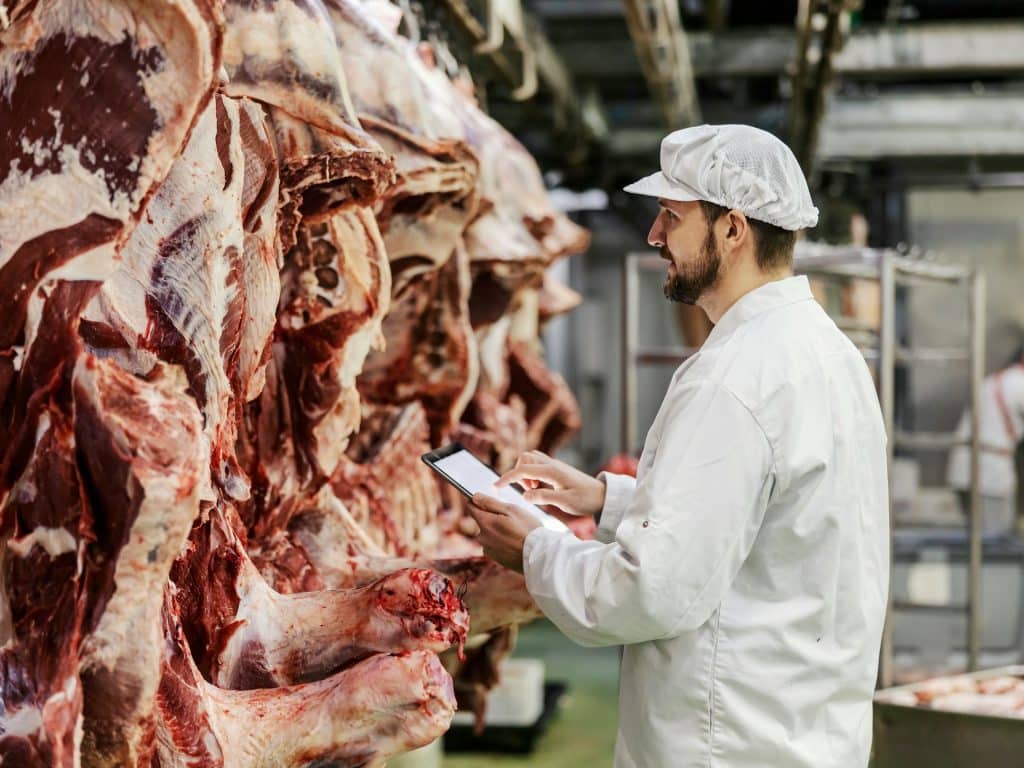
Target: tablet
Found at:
470, 475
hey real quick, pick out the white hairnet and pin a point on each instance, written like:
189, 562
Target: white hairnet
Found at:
737, 166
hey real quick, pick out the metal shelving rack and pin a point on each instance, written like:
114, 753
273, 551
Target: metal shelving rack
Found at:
890, 269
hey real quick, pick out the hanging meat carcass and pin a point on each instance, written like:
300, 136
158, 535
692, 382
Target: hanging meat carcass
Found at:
190, 538
96, 101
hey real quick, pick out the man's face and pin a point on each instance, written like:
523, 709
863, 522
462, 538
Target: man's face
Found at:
682, 235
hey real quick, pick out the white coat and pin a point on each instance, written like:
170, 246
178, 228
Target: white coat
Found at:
1001, 428
746, 570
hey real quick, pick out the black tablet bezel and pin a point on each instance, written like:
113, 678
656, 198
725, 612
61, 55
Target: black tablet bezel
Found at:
444, 452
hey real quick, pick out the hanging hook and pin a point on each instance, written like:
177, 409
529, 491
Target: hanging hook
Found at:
529, 84
495, 29
412, 24
446, 57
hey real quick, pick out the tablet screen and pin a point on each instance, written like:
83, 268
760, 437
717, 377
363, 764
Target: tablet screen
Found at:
473, 476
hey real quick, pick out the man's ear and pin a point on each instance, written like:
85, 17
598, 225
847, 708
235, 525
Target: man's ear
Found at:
738, 228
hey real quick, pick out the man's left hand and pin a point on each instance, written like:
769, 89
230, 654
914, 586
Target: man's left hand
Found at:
503, 529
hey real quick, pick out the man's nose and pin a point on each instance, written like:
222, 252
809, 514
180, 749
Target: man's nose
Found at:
654, 237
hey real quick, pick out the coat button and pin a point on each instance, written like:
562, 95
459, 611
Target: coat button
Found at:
646, 523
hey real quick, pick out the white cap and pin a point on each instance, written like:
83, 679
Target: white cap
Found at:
737, 166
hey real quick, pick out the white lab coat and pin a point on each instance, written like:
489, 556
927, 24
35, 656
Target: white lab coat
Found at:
1001, 427
746, 570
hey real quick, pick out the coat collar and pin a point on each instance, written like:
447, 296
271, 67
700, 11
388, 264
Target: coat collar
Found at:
778, 293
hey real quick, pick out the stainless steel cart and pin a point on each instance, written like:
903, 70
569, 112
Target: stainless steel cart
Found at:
919, 737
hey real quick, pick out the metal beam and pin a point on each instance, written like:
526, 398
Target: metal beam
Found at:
811, 85
664, 55
467, 25
578, 9
801, 71
929, 49
920, 51
949, 124
575, 117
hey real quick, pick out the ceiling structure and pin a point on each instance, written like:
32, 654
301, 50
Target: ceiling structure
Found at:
871, 94
910, 80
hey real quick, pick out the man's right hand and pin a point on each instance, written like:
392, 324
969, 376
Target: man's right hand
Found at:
549, 482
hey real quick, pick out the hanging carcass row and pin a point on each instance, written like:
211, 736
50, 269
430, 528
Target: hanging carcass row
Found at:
237, 294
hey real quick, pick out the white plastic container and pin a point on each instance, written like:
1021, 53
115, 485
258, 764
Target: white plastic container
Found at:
518, 700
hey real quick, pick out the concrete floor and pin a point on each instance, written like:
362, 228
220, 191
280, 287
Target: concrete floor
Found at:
583, 733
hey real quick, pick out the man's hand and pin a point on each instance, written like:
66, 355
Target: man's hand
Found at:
503, 529
548, 481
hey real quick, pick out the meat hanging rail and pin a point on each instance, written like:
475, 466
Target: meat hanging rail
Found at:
254, 259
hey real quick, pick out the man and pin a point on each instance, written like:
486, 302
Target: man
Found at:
745, 571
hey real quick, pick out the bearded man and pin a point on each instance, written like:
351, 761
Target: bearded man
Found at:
745, 570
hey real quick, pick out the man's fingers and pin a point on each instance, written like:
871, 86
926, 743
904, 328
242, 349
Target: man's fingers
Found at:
523, 465
545, 473
560, 499
488, 504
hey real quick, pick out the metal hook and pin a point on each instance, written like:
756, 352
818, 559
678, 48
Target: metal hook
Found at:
495, 29
412, 24
446, 57
529, 83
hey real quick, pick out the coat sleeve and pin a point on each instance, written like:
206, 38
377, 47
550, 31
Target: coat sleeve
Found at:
689, 526
619, 490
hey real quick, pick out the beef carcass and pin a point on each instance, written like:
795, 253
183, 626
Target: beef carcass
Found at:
431, 350
198, 280
429, 354
91, 525
285, 55
95, 101
243, 634
381, 706
424, 213
335, 291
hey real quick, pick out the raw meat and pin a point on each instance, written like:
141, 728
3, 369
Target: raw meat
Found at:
551, 411
143, 467
385, 486
95, 103
284, 54
556, 299
384, 705
198, 280
431, 350
335, 291
435, 196
244, 635
213, 508
91, 527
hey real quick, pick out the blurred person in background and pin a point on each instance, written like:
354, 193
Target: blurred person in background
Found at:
1001, 425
